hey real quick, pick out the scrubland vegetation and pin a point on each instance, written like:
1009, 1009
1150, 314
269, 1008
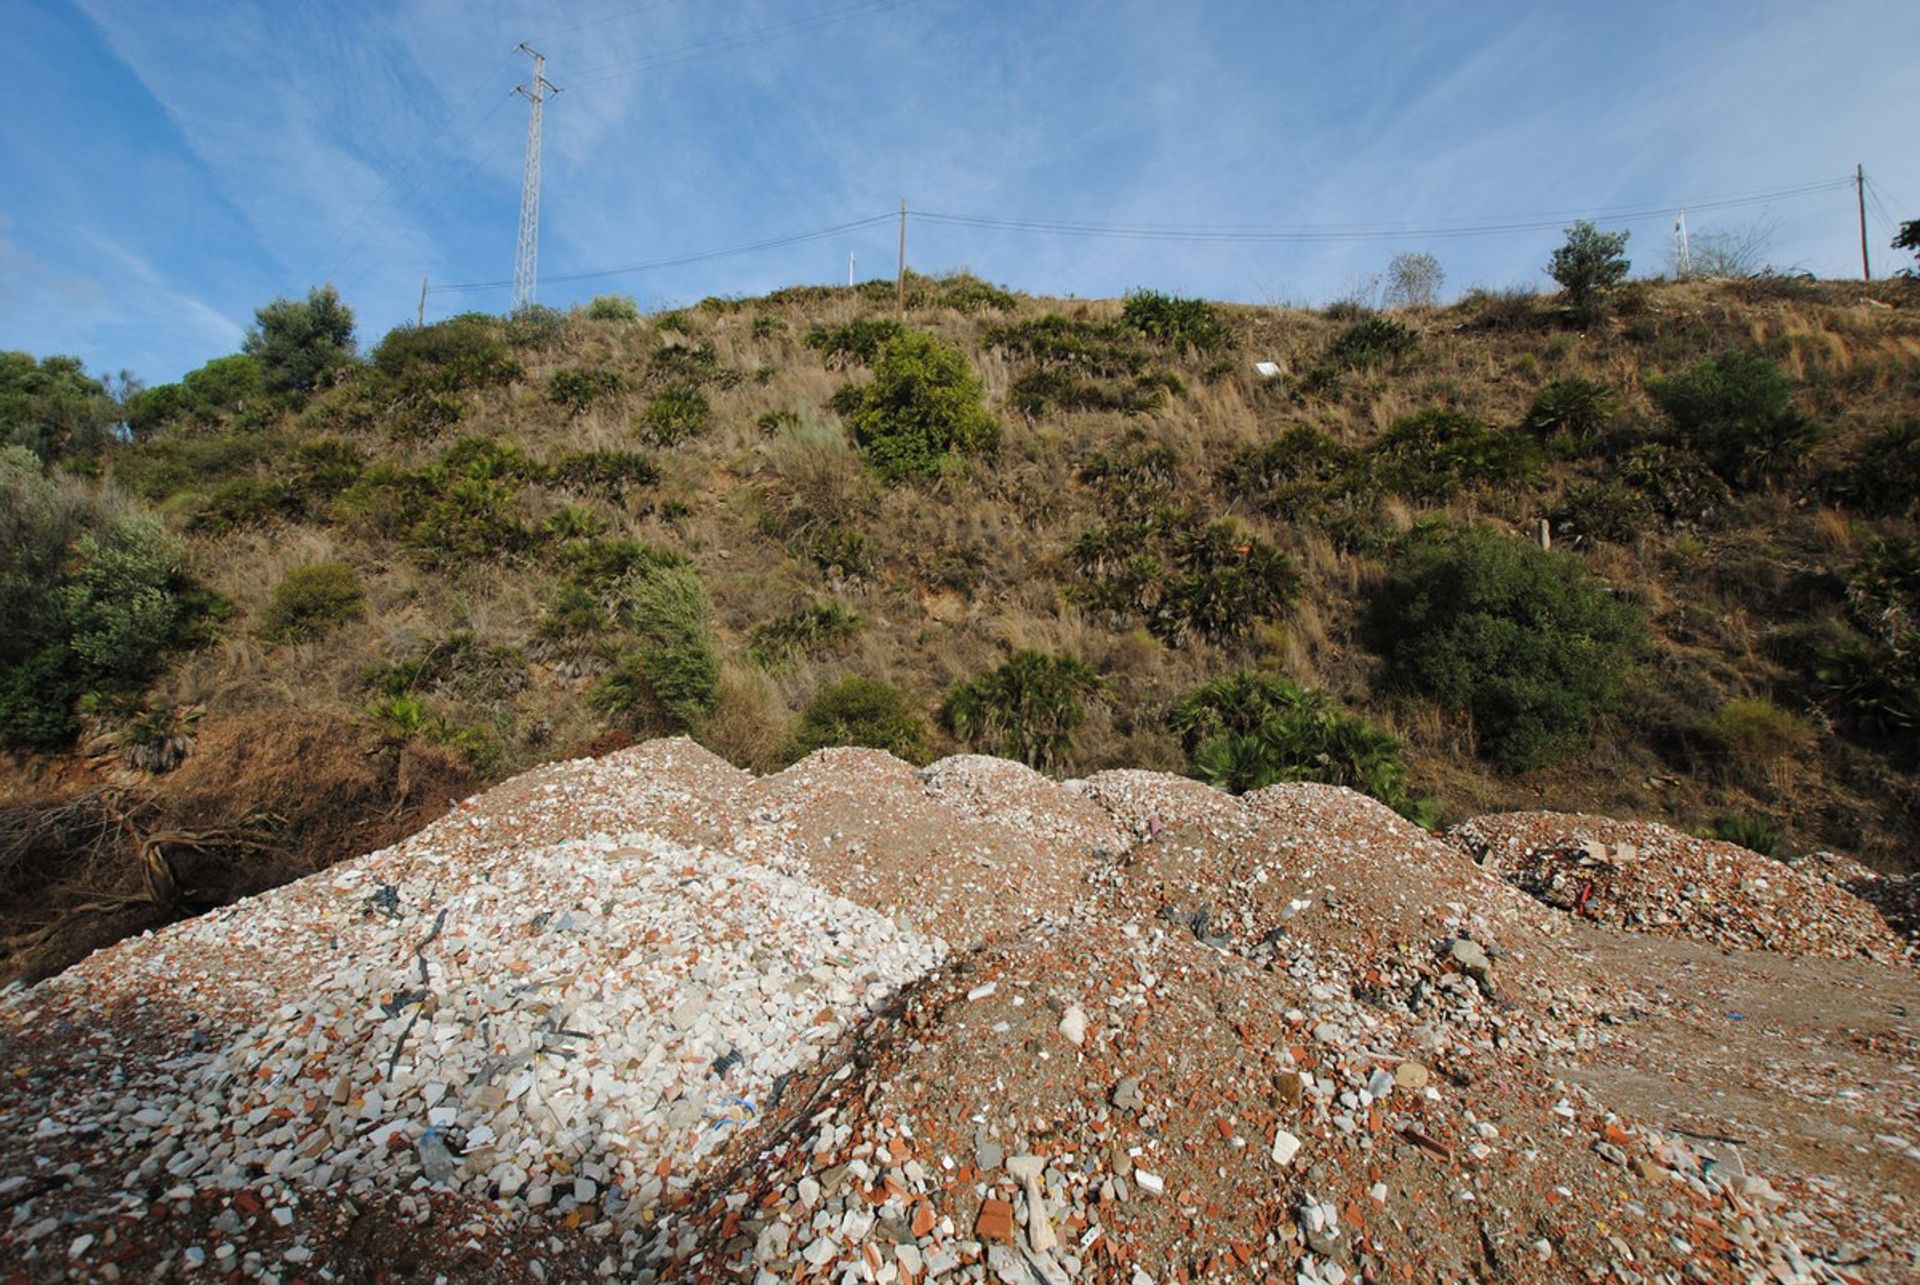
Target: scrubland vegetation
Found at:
1081, 534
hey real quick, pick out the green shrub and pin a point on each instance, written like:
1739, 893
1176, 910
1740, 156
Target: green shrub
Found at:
964, 292
536, 326
860, 340
312, 601
1588, 266
1251, 730
1677, 484
1870, 675
822, 627
1754, 833
577, 390
1515, 308
864, 712
1027, 709
1883, 477
1753, 728
1035, 392
1522, 639
767, 325
1573, 409
458, 664
613, 307
667, 677
922, 408
447, 357
1737, 411
614, 472
1184, 576
1189, 323
1092, 348
302, 345
676, 412
472, 518
1436, 453
1136, 476
676, 323
53, 407
1610, 510
1370, 342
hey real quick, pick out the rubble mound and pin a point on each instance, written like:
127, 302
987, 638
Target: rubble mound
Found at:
1648, 877
649, 1017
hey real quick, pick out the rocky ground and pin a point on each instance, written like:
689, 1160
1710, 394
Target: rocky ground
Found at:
650, 1017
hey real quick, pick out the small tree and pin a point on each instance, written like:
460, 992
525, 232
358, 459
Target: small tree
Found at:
1909, 240
299, 345
1589, 265
1413, 281
53, 407
865, 712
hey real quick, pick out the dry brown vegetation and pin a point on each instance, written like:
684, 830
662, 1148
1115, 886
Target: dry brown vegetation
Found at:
776, 512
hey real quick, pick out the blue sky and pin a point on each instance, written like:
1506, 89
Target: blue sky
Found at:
166, 166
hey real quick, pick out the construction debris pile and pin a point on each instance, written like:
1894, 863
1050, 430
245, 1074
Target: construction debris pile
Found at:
648, 1017
1645, 876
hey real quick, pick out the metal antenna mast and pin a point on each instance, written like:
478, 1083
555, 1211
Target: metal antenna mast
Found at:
526, 254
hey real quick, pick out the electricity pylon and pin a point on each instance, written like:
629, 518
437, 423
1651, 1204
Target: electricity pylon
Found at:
526, 254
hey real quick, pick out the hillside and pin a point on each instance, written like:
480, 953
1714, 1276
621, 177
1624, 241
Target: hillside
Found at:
651, 1016
493, 543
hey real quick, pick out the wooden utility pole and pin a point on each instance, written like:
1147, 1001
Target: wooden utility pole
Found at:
900, 287
420, 315
1860, 194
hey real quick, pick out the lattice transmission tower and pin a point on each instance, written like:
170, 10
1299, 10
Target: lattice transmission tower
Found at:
526, 254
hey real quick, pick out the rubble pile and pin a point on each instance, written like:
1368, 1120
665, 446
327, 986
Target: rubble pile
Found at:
649, 1018
1649, 877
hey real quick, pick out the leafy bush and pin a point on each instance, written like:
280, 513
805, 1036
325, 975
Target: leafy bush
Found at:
93, 602
865, 712
859, 340
1251, 730
1168, 319
311, 601
536, 326
1435, 453
1184, 576
822, 627
1754, 833
676, 412
1610, 510
1093, 348
667, 678
1678, 484
767, 325
1753, 728
1883, 476
458, 664
1574, 409
53, 407
1737, 411
614, 472
613, 307
922, 408
677, 323
1136, 476
1292, 474
1027, 709
1522, 639
1035, 392
468, 351
1370, 342
300, 345
964, 292
577, 390
1589, 265
1870, 674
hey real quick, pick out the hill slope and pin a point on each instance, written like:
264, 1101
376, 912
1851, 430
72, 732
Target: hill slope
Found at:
497, 541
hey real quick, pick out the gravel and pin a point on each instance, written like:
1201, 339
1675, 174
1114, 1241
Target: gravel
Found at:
649, 1017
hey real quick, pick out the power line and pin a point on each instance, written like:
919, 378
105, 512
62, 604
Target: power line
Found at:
619, 70
1318, 233
772, 243
616, 16
332, 256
